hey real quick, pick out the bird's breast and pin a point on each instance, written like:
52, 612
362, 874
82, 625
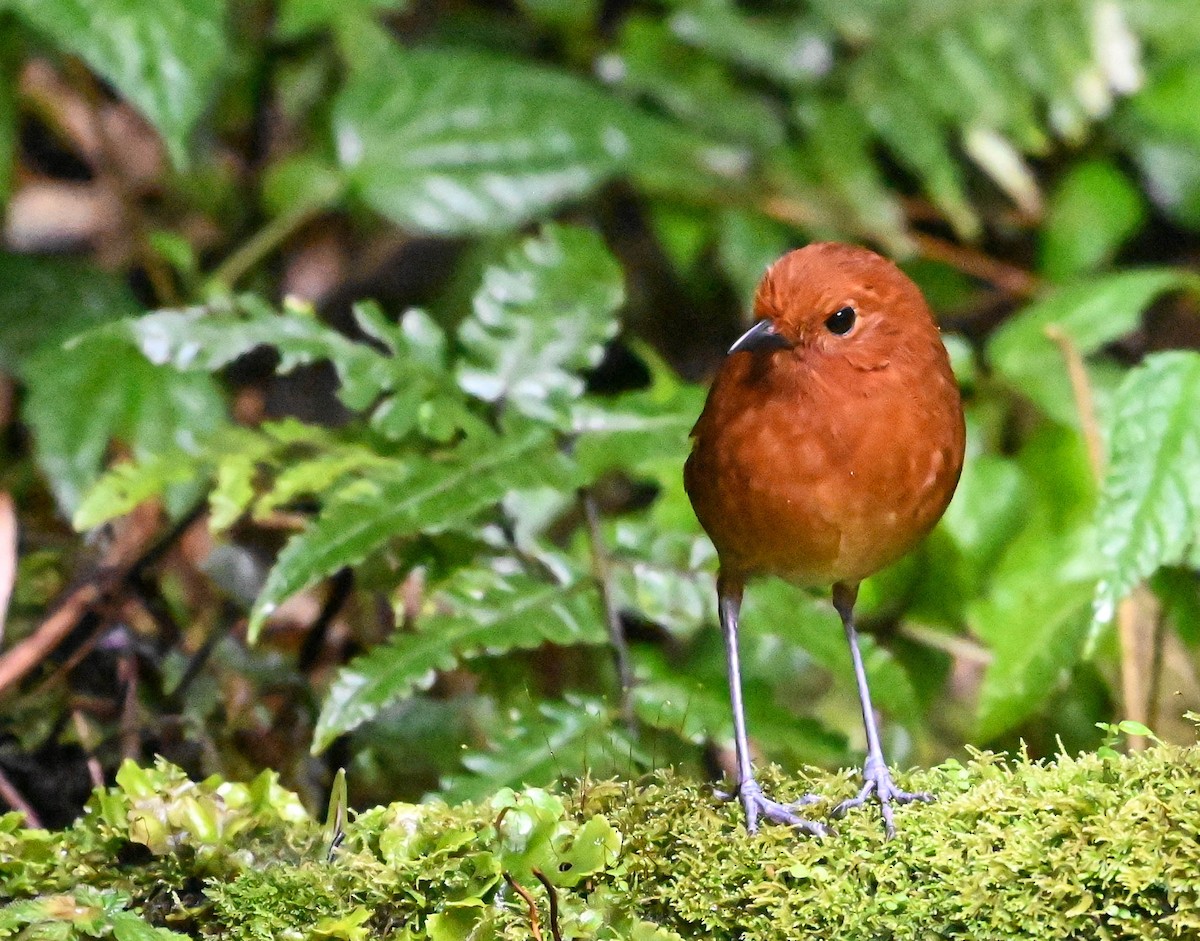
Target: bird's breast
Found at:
824, 474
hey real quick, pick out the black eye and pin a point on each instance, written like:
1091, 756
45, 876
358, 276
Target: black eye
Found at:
841, 321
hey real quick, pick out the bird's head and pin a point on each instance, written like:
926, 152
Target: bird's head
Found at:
836, 299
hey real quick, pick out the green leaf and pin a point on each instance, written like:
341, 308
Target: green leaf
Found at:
421, 496
1092, 211
775, 608
481, 612
148, 408
1149, 513
298, 18
539, 320
698, 91
408, 388
1033, 610
164, 56
840, 147
1091, 314
130, 483
560, 740
782, 48
46, 300
10, 60
454, 142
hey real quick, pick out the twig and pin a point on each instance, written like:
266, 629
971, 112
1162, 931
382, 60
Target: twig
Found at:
49, 634
127, 673
8, 557
1129, 610
128, 558
11, 796
1156, 667
960, 648
340, 587
971, 261
602, 572
552, 895
535, 926
84, 732
1085, 402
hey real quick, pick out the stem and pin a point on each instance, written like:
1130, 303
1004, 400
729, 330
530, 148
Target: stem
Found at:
265, 241
1134, 689
11, 796
602, 572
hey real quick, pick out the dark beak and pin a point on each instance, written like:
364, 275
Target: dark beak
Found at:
762, 336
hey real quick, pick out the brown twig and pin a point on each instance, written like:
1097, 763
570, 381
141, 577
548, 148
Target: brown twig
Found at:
128, 557
552, 895
602, 572
84, 732
535, 926
971, 261
11, 796
8, 557
1130, 610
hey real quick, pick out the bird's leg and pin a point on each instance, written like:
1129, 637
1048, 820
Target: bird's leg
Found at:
747, 790
877, 780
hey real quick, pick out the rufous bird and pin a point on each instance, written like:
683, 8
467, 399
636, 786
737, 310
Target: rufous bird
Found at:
830, 444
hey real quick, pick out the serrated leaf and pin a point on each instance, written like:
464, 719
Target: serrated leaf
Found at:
206, 339
455, 142
1091, 314
540, 319
148, 408
486, 613
406, 389
130, 483
1149, 513
561, 740
421, 496
164, 56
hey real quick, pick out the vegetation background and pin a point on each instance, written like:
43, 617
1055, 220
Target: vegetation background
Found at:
349, 352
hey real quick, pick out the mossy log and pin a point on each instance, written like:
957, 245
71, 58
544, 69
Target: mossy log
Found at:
1088, 847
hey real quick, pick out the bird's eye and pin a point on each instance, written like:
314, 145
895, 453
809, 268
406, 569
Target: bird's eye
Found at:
840, 322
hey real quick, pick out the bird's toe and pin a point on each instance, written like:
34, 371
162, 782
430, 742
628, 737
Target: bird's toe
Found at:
760, 807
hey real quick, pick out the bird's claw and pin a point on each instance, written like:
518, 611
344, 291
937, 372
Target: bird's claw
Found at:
758, 805
878, 784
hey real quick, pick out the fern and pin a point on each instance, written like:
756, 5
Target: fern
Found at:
1149, 514
481, 612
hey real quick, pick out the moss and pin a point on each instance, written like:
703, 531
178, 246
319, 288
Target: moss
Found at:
1089, 847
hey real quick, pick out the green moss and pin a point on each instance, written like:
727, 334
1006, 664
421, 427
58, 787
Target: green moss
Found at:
1089, 847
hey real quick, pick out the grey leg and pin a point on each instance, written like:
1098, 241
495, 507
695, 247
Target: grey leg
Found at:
747, 790
877, 780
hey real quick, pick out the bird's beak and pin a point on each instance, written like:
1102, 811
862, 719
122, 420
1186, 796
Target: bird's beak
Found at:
762, 336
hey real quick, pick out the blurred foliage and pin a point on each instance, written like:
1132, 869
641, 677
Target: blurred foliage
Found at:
371, 373
1103, 844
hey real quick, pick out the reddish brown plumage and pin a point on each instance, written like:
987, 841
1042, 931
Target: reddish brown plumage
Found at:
825, 461
830, 444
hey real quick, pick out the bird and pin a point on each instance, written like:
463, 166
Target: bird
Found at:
830, 444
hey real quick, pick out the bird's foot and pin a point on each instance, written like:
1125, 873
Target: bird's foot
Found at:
878, 784
757, 805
